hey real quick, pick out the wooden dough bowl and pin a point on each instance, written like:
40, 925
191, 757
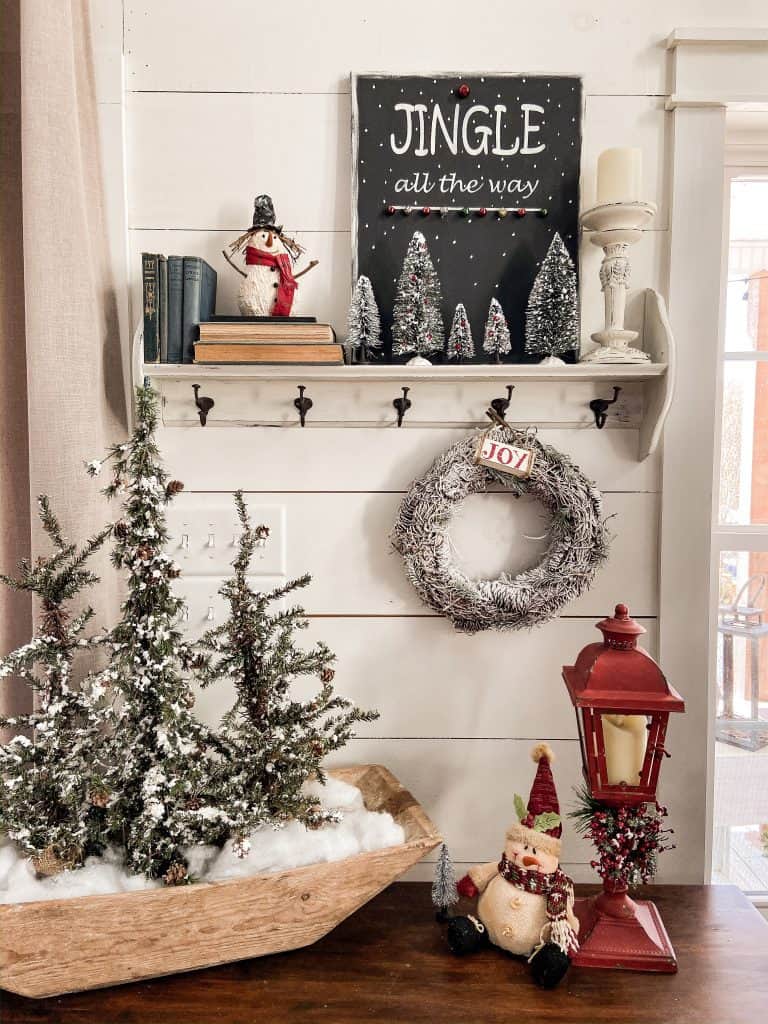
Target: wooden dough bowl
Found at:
57, 946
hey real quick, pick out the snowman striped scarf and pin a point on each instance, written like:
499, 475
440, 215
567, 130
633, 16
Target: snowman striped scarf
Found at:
556, 888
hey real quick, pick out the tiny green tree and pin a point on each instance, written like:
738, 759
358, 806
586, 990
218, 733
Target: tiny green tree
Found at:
460, 344
160, 756
363, 321
496, 341
417, 323
552, 315
52, 792
273, 742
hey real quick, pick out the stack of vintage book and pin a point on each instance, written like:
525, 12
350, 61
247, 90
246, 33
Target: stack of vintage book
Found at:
297, 340
177, 293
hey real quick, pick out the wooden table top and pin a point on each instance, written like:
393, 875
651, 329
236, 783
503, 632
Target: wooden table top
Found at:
389, 962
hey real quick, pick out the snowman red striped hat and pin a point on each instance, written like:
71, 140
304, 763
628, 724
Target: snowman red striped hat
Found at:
540, 823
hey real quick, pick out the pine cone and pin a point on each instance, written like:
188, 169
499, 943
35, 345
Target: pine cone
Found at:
174, 487
145, 552
173, 572
327, 675
176, 874
50, 862
98, 797
121, 529
194, 803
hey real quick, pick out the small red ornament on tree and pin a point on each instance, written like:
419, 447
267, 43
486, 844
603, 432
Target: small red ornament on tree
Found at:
463, 91
521, 212
482, 212
426, 210
390, 210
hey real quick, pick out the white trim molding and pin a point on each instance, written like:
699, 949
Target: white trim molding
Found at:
713, 71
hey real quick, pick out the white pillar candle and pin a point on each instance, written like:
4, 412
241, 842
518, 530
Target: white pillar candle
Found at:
619, 175
625, 737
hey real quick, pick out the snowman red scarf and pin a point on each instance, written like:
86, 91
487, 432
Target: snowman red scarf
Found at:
556, 888
288, 284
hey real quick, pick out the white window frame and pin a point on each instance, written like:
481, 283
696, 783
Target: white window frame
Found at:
712, 70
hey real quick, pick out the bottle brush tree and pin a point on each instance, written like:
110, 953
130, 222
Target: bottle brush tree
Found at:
460, 344
273, 741
417, 323
52, 793
444, 891
160, 779
363, 321
496, 341
552, 315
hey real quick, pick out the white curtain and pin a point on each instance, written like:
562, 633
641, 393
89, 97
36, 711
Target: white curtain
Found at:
61, 385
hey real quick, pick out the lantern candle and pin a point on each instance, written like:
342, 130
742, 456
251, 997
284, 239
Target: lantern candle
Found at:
619, 175
625, 737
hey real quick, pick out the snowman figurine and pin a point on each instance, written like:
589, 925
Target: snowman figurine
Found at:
269, 284
526, 900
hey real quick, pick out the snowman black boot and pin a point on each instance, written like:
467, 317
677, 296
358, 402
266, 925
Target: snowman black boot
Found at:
549, 965
466, 935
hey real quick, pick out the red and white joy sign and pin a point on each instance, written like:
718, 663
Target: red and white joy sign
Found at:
505, 457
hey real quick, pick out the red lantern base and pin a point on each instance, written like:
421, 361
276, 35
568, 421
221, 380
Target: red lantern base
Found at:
620, 933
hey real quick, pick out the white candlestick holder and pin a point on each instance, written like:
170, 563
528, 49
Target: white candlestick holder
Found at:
614, 227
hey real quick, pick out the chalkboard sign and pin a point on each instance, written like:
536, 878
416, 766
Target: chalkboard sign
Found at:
460, 151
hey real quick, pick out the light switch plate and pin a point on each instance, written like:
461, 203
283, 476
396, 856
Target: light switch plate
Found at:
204, 530
206, 608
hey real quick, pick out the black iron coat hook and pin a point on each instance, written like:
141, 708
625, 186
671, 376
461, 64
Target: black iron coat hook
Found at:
502, 404
599, 407
402, 405
303, 405
204, 405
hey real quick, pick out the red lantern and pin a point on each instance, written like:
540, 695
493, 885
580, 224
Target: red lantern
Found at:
622, 703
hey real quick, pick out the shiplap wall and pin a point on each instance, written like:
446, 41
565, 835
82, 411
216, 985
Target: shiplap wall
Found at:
218, 102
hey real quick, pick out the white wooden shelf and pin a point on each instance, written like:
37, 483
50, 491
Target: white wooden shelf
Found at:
505, 373
446, 395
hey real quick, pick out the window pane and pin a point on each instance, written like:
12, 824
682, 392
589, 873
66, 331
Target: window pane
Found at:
744, 445
746, 323
741, 726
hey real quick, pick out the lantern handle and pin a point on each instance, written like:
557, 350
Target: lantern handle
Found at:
752, 600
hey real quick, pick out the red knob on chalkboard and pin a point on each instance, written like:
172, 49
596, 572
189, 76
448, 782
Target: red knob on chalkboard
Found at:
390, 210
463, 91
482, 212
426, 210
521, 212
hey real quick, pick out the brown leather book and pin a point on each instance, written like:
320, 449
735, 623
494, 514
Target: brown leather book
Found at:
275, 333
244, 352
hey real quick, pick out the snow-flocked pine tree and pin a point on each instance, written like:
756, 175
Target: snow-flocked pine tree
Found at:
460, 344
417, 323
363, 321
52, 792
444, 892
552, 316
496, 341
272, 741
159, 778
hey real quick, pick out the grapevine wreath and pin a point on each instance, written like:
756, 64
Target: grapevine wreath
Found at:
578, 537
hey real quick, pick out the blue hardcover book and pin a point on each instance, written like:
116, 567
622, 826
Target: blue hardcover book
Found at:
175, 307
162, 318
150, 298
199, 301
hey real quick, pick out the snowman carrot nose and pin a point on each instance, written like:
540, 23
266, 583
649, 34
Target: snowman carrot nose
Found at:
529, 861
269, 240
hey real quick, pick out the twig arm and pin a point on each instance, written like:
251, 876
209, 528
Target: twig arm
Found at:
225, 254
312, 263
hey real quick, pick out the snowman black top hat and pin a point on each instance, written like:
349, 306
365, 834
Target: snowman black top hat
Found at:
264, 214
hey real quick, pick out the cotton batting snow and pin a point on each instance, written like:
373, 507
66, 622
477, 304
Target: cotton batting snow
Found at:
292, 846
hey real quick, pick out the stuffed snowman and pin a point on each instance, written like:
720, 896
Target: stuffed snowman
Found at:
526, 900
269, 284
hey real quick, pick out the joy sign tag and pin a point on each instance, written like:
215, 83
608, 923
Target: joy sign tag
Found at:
507, 458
